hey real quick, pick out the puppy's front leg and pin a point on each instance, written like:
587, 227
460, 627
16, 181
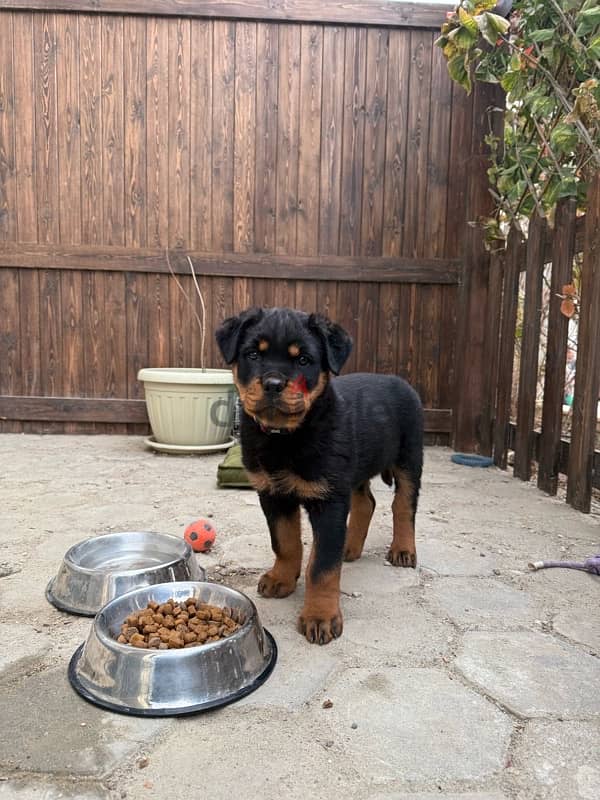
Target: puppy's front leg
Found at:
321, 618
283, 518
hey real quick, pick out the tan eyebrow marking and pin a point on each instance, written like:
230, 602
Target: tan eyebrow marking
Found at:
263, 345
294, 350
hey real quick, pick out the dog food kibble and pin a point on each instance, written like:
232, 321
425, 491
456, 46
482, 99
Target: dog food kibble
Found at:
174, 625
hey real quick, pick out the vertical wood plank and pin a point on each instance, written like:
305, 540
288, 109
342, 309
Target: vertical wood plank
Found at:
406, 338
284, 294
135, 112
448, 348
8, 181
52, 373
267, 76
309, 149
353, 140
262, 293
10, 355
332, 115
91, 129
346, 315
288, 138
472, 302
366, 350
157, 129
93, 334
460, 149
388, 318
491, 351
223, 301
435, 207
306, 296
72, 362
69, 131
115, 327
427, 321
46, 165
242, 294
182, 323
179, 132
29, 298
223, 135
244, 141
374, 145
113, 163
530, 342
587, 375
510, 299
23, 68
327, 299
158, 320
563, 252
396, 141
137, 332
415, 209
201, 105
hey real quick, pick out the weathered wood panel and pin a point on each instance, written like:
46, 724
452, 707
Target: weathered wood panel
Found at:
292, 162
556, 350
361, 12
587, 376
530, 344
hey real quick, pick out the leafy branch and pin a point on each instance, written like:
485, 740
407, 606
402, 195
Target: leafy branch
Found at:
546, 57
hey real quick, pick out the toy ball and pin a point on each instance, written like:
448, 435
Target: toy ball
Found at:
200, 535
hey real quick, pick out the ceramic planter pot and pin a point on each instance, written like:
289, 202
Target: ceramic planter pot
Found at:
189, 409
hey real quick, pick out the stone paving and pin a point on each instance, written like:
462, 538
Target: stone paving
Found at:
470, 678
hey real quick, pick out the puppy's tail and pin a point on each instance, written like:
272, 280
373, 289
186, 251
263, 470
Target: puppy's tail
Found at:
388, 476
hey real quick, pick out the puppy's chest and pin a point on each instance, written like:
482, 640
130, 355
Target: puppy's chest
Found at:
287, 475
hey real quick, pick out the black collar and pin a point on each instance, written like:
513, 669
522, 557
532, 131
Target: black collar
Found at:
269, 431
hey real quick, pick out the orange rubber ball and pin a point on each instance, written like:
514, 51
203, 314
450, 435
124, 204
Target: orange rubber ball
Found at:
200, 535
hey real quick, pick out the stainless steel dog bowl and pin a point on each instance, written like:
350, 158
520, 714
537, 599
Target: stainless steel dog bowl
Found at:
96, 570
172, 682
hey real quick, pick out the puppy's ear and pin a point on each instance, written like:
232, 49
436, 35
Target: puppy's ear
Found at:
337, 344
230, 333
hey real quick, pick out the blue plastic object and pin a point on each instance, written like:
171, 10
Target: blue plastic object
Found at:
471, 460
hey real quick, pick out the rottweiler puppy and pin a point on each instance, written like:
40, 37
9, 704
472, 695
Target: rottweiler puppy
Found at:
313, 440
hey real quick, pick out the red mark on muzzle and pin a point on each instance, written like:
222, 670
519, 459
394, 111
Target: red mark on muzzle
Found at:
299, 384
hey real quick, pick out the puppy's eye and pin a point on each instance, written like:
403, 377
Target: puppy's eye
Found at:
253, 354
303, 360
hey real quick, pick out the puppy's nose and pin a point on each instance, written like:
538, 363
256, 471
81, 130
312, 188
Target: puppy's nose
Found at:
273, 386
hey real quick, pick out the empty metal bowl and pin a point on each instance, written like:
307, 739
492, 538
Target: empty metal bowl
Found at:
96, 570
172, 682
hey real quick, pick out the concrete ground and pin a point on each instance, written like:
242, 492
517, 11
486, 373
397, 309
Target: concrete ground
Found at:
468, 678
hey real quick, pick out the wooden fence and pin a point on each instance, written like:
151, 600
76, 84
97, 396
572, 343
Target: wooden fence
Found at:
545, 444
312, 156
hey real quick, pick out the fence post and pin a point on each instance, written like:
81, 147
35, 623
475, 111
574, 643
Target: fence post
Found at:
491, 350
510, 297
530, 343
472, 313
587, 375
563, 252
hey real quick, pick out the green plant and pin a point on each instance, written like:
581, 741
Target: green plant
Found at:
546, 57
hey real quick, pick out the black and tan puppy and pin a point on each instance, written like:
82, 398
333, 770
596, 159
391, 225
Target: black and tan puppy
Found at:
313, 440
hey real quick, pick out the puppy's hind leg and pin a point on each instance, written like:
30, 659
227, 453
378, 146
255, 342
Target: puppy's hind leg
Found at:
283, 518
403, 551
361, 511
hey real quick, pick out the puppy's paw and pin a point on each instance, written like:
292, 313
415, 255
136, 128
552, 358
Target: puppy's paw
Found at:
321, 631
352, 553
402, 558
273, 585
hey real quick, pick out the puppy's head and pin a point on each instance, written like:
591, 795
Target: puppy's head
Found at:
281, 361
